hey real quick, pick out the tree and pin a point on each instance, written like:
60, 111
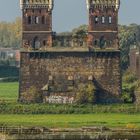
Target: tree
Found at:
10, 34
130, 84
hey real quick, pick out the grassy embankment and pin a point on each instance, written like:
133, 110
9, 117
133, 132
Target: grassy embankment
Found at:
15, 114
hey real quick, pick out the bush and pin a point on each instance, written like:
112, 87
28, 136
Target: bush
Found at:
130, 84
85, 94
31, 96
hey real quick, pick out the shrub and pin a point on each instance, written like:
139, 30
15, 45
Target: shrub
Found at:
31, 96
130, 83
85, 94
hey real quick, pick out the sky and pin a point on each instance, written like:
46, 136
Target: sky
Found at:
68, 14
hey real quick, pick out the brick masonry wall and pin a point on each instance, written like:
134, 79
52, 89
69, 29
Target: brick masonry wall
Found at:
104, 67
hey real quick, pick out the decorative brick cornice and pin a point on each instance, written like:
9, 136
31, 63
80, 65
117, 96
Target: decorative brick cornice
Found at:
25, 4
103, 4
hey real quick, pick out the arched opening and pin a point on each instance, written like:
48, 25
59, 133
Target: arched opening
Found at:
96, 19
110, 19
29, 20
36, 20
102, 42
44, 42
103, 19
95, 42
43, 19
36, 43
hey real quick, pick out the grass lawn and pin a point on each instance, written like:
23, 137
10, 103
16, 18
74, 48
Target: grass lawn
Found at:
9, 91
72, 121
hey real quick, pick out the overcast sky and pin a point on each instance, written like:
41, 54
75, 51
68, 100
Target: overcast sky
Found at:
68, 14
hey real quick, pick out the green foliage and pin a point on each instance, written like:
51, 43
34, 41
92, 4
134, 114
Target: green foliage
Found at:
130, 83
31, 96
85, 94
80, 32
10, 34
129, 36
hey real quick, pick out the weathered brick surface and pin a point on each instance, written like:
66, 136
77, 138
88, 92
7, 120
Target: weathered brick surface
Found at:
36, 68
42, 31
93, 58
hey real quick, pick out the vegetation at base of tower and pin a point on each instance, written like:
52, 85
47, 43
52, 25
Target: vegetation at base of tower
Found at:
129, 86
9, 105
85, 94
31, 96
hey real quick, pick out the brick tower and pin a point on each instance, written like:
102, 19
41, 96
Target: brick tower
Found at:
37, 24
103, 40
103, 23
36, 36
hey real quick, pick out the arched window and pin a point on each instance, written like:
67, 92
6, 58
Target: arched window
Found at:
110, 19
43, 19
102, 42
103, 19
95, 42
36, 20
36, 43
96, 19
29, 20
44, 42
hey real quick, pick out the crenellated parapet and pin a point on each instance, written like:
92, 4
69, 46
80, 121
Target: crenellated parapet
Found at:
103, 4
27, 4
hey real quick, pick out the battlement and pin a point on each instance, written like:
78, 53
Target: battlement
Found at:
103, 4
29, 4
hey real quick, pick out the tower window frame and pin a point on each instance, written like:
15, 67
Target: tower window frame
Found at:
95, 42
36, 20
44, 42
29, 18
96, 19
110, 19
43, 20
103, 19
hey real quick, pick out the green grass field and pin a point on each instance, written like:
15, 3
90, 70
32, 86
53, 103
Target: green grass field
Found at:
15, 114
9, 91
72, 121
